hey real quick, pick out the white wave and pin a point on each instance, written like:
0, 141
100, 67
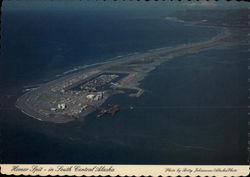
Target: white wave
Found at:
94, 64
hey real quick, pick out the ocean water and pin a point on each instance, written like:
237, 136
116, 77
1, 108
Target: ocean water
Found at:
193, 111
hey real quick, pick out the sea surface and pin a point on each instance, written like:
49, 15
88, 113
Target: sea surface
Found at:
193, 111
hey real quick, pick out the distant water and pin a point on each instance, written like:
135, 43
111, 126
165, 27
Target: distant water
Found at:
163, 126
39, 45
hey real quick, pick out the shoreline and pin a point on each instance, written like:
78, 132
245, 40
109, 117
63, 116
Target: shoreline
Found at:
137, 66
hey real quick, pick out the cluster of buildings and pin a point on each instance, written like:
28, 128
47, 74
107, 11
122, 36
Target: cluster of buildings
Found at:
95, 97
72, 102
60, 106
100, 81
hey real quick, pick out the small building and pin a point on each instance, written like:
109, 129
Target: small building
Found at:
114, 84
90, 96
53, 109
98, 96
62, 91
61, 106
113, 76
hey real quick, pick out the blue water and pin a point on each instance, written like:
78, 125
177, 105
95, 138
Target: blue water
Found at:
193, 111
47, 43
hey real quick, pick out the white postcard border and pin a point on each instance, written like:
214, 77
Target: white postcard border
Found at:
124, 170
